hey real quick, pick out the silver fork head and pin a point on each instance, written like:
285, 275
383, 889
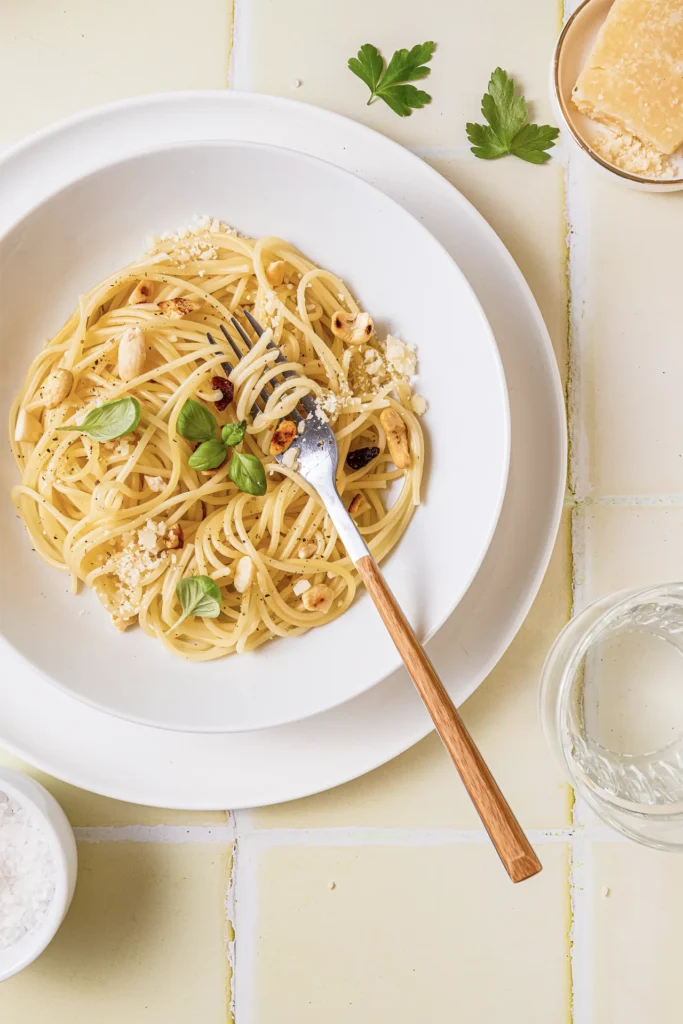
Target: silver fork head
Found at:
316, 445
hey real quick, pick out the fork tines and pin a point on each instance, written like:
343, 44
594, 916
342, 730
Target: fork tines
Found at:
267, 390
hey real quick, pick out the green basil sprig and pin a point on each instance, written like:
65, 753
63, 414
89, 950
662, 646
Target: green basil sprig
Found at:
196, 423
233, 433
248, 473
110, 420
198, 595
210, 455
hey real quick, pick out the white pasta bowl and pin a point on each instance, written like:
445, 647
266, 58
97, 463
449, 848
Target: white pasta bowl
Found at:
57, 832
411, 286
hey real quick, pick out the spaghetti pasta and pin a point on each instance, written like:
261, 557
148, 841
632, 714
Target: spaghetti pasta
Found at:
130, 517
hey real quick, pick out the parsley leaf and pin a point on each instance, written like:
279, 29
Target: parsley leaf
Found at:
508, 130
368, 66
389, 84
530, 142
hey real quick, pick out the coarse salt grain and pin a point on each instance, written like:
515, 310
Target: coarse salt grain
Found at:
27, 872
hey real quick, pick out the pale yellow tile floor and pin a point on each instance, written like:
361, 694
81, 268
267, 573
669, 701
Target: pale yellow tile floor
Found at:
320, 38
58, 57
144, 940
632, 381
421, 923
407, 935
637, 902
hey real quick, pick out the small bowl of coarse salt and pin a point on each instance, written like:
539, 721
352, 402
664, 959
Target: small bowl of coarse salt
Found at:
37, 870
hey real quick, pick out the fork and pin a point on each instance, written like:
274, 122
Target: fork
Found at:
317, 464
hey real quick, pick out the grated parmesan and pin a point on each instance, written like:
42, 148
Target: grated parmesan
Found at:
291, 458
400, 357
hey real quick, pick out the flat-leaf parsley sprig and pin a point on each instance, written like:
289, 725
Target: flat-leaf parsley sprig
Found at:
508, 130
389, 84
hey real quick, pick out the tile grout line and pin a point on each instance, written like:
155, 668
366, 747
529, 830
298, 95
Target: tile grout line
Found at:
344, 835
633, 500
244, 918
260, 839
170, 834
576, 215
240, 75
230, 911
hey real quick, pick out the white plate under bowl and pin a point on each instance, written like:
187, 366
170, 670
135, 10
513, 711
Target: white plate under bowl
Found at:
87, 748
413, 288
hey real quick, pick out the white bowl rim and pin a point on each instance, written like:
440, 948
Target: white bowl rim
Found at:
505, 448
655, 184
20, 786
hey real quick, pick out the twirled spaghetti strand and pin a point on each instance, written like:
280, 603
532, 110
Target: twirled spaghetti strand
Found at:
86, 503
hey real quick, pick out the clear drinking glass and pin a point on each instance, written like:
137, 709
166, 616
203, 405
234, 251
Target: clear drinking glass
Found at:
612, 709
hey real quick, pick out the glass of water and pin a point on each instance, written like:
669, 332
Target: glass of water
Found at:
612, 709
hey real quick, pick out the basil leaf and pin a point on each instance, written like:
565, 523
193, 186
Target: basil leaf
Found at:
233, 433
248, 473
209, 455
198, 595
196, 423
109, 420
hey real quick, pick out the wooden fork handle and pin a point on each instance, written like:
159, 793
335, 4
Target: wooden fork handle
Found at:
505, 832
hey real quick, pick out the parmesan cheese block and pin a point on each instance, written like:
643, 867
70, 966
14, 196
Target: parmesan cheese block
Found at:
633, 80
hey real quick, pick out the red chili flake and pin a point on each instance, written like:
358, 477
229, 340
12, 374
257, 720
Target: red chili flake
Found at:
223, 385
360, 457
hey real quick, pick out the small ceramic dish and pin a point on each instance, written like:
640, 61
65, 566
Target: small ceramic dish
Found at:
57, 831
572, 51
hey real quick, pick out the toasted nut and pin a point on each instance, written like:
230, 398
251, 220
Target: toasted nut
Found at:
300, 587
56, 388
285, 432
27, 427
307, 549
275, 273
132, 354
397, 437
318, 599
121, 623
176, 309
244, 574
358, 504
142, 292
174, 537
155, 483
354, 328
